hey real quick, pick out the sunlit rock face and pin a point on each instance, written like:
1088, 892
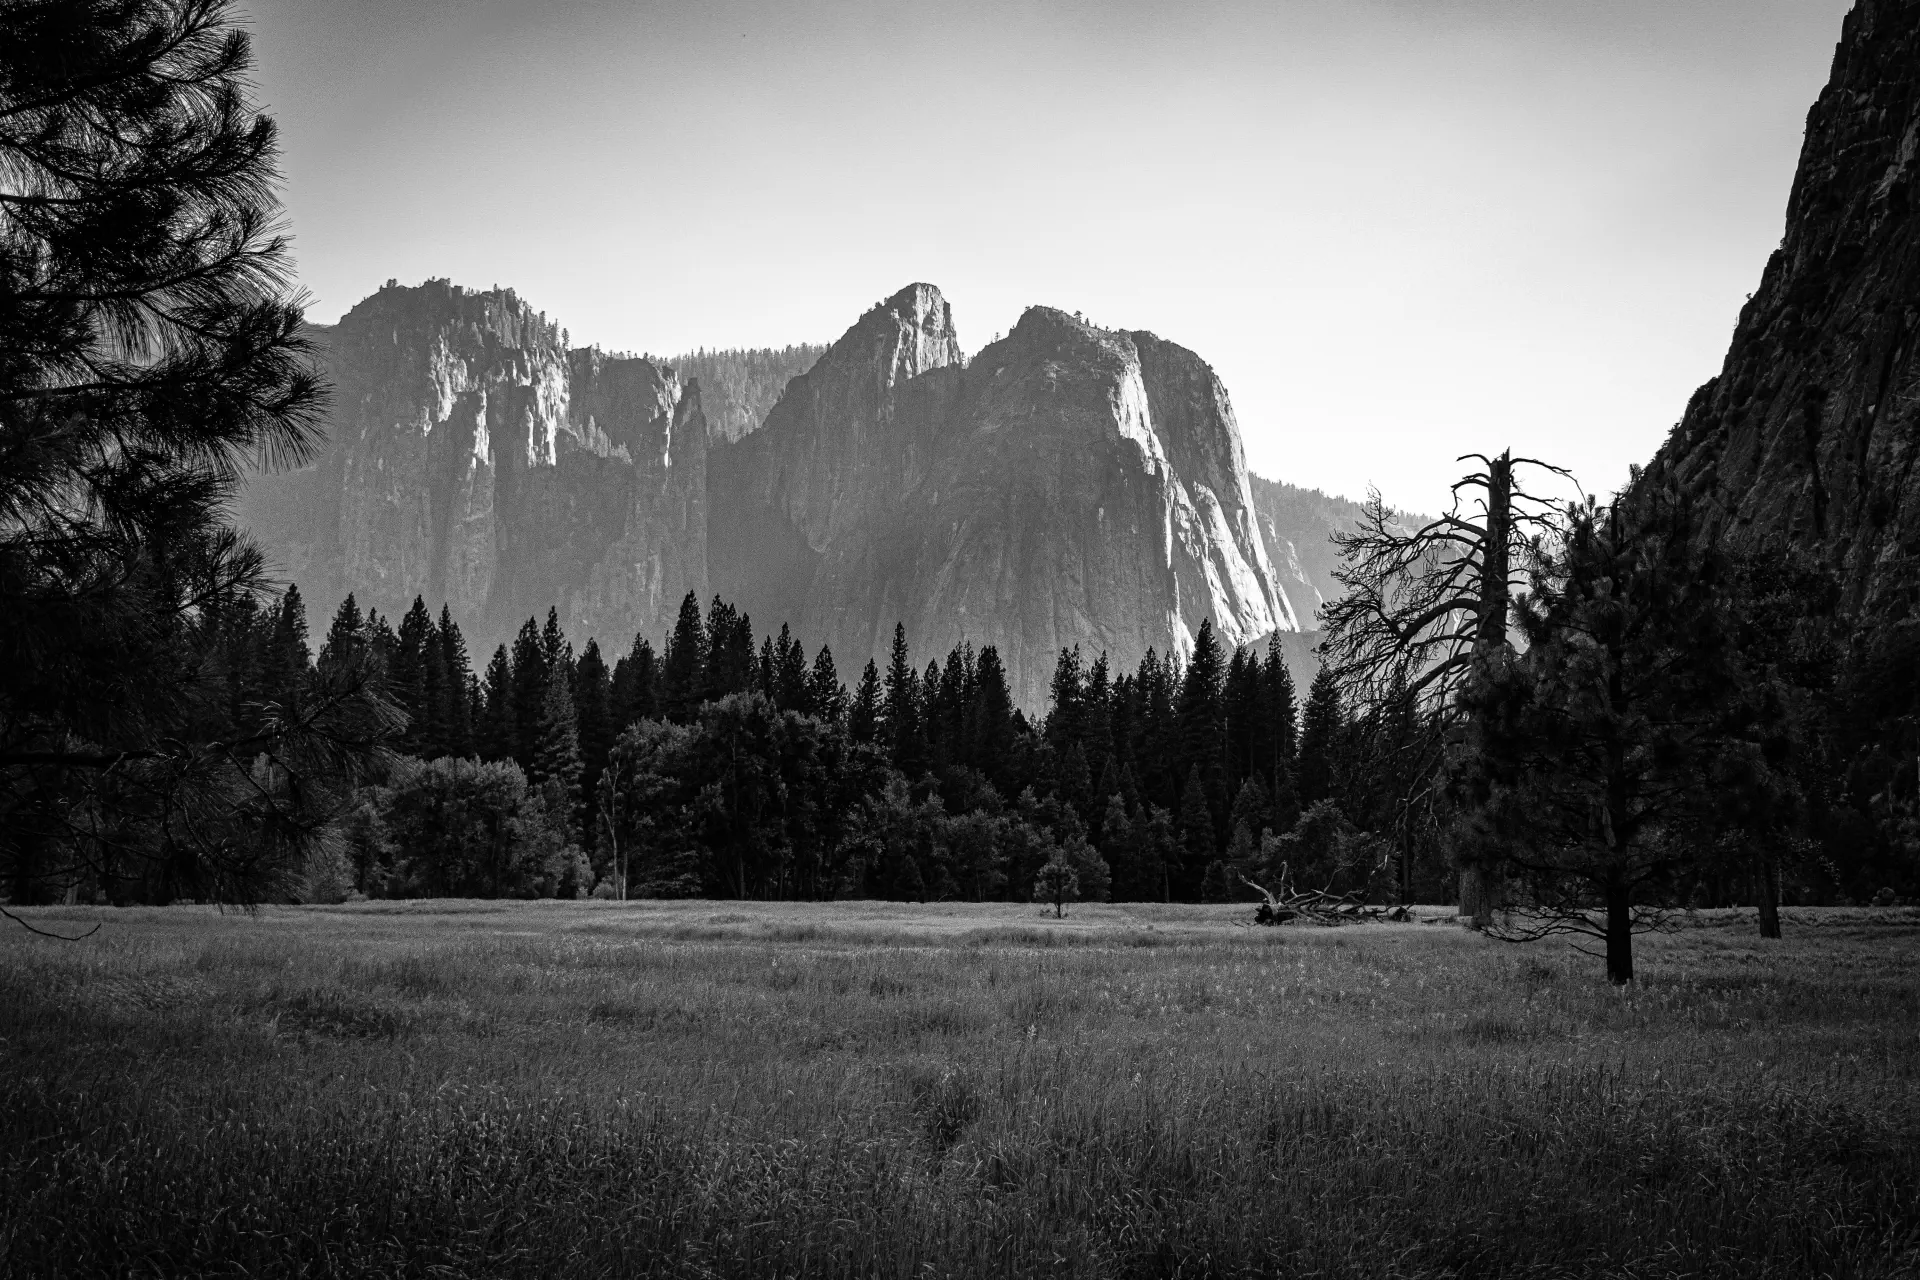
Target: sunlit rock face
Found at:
1811, 432
473, 459
1073, 485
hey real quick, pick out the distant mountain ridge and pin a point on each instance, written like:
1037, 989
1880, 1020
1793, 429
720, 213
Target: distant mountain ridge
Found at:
1070, 485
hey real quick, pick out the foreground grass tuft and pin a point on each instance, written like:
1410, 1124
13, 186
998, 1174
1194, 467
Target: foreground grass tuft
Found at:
873, 1090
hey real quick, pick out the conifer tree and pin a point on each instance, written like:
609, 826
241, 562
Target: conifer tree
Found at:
1197, 844
593, 716
497, 729
287, 661
1281, 765
346, 641
408, 680
825, 694
635, 689
863, 716
683, 675
151, 349
789, 690
902, 710
457, 719
557, 765
529, 694
1320, 732
989, 728
1202, 727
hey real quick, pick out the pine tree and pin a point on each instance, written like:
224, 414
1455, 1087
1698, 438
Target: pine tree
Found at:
497, 727
151, 350
529, 694
556, 756
1252, 808
989, 728
683, 675
346, 637
287, 661
593, 714
1281, 749
825, 693
408, 680
636, 679
1197, 846
1159, 853
1202, 729
790, 691
556, 652
863, 717
1320, 732
457, 718
902, 709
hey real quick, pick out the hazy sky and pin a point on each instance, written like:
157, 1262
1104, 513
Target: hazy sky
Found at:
1401, 230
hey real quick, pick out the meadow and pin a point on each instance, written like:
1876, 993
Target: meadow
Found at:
876, 1089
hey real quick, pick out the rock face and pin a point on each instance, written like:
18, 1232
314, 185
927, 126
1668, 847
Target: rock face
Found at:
474, 459
1073, 485
1811, 431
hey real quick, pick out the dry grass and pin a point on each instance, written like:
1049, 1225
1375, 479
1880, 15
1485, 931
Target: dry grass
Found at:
703, 1089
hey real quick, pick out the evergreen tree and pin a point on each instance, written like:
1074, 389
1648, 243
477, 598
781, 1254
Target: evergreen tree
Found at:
151, 349
730, 665
1320, 732
1280, 762
286, 663
457, 719
1197, 846
902, 710
408, 680
557, 766
1252, 808
556, 654
989, 721
1066, 718
1057, 883
346, 638
825, 694
529, 694
683, 675
635, 689
1202, 729
789, 690
1159, 855
863, 717
593, 716
497, 726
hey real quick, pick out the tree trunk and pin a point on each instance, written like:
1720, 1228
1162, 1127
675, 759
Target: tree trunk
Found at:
1769, 893
1474, 908
1619, 935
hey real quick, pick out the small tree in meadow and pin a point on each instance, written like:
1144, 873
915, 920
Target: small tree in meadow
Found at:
1057, 883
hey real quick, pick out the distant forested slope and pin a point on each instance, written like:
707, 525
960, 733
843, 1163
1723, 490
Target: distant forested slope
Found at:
738, 387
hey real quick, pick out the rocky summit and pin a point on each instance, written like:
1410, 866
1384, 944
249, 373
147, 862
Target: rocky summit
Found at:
1072, 485
1810, 434
1069, 485
473, 458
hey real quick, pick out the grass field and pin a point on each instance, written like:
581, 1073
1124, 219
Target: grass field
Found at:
719, 1089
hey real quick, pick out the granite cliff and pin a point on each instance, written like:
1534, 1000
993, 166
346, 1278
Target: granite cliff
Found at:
1072, 485
474, 459
1810, 433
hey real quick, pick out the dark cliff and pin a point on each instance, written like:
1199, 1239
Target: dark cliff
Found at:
1811, 431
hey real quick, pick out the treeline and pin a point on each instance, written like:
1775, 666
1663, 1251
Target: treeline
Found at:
718, 766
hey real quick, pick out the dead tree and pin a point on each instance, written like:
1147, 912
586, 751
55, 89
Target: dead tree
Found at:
1424, 613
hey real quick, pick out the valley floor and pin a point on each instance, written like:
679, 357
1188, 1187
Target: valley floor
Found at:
878, 1089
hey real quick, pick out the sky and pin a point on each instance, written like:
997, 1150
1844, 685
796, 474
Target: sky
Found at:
1399, 230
